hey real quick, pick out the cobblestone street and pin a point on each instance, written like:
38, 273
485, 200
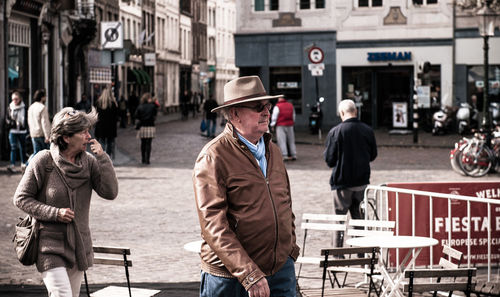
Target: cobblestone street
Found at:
154, 213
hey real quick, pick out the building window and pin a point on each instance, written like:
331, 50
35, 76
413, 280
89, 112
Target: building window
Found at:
262, 5
259, 5
370, 3
320, 3
424, 2
274, 5
305, 4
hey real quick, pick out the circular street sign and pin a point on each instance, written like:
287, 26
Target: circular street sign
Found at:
316, 55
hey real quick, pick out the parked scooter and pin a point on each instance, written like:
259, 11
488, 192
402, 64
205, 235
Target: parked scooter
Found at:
316, 116
466, 118
495, 113
442, 121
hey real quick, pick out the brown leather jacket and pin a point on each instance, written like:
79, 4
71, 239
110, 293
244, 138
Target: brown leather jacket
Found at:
246, 219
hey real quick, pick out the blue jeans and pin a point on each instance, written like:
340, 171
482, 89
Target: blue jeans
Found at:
281, 284
17, 142
38, 144
211, 125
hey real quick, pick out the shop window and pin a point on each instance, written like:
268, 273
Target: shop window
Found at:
287, 81
370, 3
18, 68
475, 84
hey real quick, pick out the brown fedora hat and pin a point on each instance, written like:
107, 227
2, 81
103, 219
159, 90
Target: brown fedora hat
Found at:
244, 89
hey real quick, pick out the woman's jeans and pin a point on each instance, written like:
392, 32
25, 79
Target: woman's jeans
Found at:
281, 284
17, 142
63, 282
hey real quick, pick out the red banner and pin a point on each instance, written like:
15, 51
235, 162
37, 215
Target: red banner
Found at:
441, 224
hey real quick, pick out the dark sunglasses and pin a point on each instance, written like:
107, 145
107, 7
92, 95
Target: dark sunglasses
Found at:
258, 108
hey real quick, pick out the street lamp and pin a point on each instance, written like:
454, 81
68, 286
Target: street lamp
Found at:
486, 22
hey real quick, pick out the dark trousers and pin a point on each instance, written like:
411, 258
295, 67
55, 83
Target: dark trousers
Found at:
345, 200
146, 149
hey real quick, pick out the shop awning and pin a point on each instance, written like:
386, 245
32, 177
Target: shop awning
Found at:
138, 76
145, 76
131, 76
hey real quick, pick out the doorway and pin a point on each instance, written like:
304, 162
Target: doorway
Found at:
393, 85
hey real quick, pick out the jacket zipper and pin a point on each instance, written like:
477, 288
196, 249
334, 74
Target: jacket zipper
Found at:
245, 148
275, 225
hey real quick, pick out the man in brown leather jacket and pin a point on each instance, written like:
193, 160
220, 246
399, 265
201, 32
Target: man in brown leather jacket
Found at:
243, 201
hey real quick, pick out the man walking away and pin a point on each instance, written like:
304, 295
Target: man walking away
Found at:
39, 122
283, 119
350, 147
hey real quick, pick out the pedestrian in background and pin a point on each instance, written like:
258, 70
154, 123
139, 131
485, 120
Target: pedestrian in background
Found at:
133, 102
185, 102
84, 104
244, 203
283, 120
39, 122
146, 115
350, 147
17, 123
122, 104
211, 117
105, 129
56, 190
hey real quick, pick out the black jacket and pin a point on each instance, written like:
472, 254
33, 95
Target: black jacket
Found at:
146, 113
350, 147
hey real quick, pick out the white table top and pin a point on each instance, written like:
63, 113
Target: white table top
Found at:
193, 246
393, 241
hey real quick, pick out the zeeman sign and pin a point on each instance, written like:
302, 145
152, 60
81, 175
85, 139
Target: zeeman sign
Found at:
389, 56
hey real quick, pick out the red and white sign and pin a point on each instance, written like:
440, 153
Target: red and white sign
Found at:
316, 55
441, 224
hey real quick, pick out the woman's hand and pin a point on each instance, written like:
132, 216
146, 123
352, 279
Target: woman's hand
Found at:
96, 147
65, 215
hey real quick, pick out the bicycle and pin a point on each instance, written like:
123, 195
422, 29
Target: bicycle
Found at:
478, 155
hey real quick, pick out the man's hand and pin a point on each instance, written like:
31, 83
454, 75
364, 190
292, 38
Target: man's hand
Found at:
259, 289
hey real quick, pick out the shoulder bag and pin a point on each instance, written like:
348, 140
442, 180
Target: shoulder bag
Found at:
26, 236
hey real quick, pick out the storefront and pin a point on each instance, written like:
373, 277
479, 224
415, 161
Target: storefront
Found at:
281, 61
381, 81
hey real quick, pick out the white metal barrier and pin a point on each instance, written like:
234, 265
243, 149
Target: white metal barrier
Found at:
379, 195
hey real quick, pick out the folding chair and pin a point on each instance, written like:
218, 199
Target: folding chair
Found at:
103, 259
360, 228
340, 257
450, 259
326, 223
462, 280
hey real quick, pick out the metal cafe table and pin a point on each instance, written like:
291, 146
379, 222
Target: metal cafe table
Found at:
413, 243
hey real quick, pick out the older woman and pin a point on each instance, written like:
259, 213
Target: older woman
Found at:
56, 189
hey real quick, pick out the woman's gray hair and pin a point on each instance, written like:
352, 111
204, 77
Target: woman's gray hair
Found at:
68, 122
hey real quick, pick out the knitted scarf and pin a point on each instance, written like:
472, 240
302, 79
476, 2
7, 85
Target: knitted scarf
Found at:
258, 151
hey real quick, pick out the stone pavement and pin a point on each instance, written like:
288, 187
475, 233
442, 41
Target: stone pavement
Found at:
154, 213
